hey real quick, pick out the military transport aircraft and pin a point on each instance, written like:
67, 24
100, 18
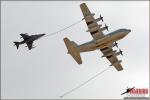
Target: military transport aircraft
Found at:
102, 42
28, 39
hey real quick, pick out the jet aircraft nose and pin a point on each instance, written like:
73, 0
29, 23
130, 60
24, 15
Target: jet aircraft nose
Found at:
43, 34
128, 30
40, 35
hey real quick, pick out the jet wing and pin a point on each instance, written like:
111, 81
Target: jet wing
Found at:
29, 44
112, 58
91, 22
25, 36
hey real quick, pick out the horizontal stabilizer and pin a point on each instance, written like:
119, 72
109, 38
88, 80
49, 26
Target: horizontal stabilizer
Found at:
16, 44
72, 50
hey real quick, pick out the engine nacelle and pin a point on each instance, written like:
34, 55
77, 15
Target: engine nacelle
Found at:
98, 19
110, 53
103, 28
94, 28
118, 53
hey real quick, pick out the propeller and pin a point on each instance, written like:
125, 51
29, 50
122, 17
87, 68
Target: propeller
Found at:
116, 44
121, 52
106, 27
101, 18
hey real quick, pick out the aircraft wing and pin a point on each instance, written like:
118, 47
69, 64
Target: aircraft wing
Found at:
25, 36
112, 58
29, 44
91, 22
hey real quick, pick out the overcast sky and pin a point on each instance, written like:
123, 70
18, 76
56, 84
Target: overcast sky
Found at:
47, 71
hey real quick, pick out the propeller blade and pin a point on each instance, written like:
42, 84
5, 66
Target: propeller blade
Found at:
101, 18
116, 44
121, 52
106, 27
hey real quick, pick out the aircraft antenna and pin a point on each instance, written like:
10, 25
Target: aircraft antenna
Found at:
79, 86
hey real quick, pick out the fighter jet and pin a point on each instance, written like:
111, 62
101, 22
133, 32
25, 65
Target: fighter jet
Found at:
101, 42
28, 39
128, 90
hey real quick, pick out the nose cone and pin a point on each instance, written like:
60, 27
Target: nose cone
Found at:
40, 35
43, 34
127, 31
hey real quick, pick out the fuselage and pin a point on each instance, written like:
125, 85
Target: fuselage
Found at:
105, 41
31, 38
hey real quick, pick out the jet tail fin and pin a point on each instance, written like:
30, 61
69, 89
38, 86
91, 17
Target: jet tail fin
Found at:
73, 50
17, 44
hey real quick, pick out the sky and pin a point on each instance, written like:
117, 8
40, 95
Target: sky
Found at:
47, 71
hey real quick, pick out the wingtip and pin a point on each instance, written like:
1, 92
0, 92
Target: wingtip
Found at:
82, 4
120, 69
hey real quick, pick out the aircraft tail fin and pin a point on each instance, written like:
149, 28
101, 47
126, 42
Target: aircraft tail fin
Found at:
73, 50
17, 44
